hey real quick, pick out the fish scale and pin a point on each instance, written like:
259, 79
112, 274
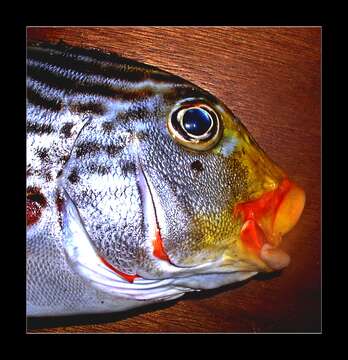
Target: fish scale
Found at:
121, 212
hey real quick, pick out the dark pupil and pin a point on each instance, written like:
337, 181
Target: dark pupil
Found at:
196, 121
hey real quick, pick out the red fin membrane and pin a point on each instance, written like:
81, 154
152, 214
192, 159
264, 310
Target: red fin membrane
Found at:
129, 278
158, 249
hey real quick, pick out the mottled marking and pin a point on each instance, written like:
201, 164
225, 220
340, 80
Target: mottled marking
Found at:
100, 169
86, 148
113, 149
128, 168
92, 168
66, 129
48, 176
137, 113
90, 107
41, 173
74, 177
142, 135
40, 129
107, 126
49, 104
42, 154
34, 194
35, 203
103, 170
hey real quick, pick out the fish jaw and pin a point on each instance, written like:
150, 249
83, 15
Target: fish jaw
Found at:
266, 219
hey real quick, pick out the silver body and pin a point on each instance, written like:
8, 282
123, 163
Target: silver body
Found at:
111, 164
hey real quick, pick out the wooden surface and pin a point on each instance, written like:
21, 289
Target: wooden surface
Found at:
270, 78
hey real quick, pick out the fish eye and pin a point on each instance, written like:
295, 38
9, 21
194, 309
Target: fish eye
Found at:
195, 125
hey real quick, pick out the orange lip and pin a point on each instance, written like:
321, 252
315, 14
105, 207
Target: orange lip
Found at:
268, 218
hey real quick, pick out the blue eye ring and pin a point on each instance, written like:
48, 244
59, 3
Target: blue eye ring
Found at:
195, 125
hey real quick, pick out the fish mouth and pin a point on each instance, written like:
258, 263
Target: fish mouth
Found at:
267, 219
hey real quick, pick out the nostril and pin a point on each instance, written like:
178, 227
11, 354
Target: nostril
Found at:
197, 166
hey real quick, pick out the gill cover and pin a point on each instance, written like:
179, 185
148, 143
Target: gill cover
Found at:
86, 262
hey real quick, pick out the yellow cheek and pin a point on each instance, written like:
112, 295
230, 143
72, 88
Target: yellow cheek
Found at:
219, 232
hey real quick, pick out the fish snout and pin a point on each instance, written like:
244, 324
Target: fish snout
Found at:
267, 219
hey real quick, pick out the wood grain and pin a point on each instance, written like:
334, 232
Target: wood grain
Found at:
270, 78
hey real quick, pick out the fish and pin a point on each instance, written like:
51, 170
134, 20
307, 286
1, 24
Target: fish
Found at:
141, 187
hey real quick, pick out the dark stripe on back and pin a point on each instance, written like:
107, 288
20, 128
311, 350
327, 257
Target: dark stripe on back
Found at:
91, 107
43, 102
72, 86
39, 128
93, 62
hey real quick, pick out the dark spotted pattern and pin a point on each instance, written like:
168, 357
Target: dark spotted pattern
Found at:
107, 126
34, 194
94, 168
42, 153
66, 129
128, 168
39, 128
136, 113
113, 149
35, 204
86, 148
73, 177
90, 107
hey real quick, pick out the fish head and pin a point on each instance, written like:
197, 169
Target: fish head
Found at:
220, 195
180, 192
